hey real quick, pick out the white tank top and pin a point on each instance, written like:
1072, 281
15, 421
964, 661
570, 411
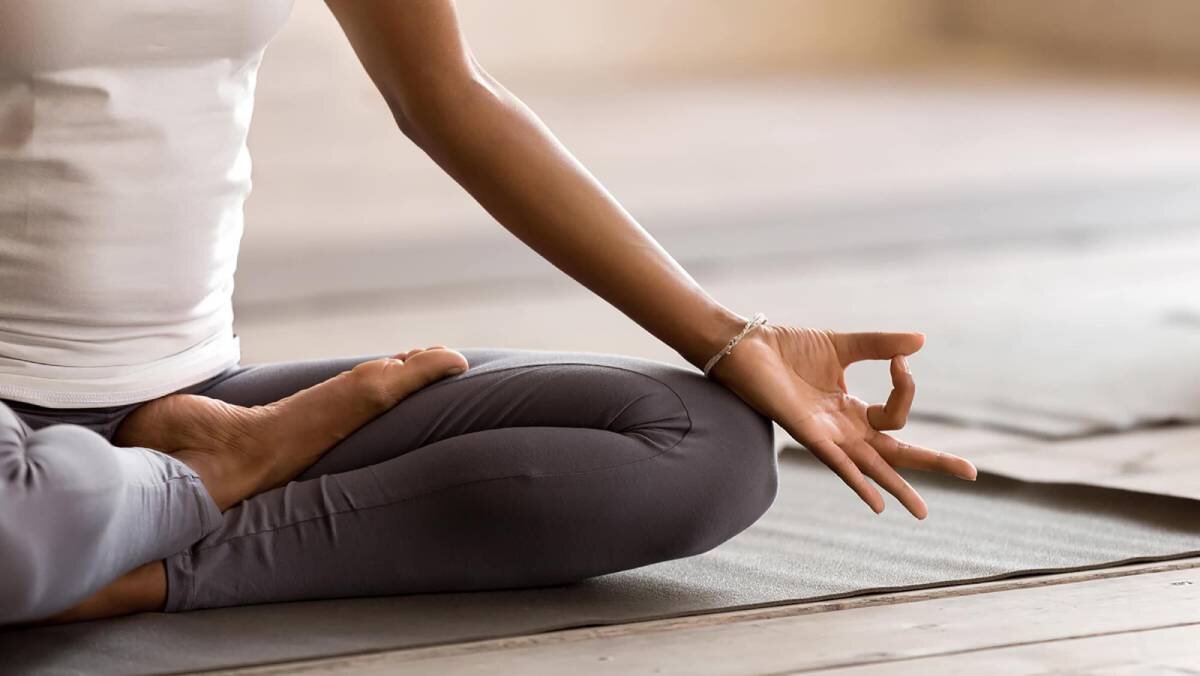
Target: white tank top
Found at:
123, 172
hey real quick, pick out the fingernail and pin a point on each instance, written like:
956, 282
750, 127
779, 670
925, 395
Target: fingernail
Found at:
456, 370
904, 364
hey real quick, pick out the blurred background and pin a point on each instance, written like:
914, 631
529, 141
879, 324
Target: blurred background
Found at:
1017, 179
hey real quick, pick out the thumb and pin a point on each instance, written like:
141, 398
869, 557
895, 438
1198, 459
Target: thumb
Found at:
852, 347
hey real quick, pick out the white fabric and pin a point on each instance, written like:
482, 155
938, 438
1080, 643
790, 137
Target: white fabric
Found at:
123, 172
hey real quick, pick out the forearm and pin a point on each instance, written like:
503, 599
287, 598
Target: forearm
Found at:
507, 159
504, 156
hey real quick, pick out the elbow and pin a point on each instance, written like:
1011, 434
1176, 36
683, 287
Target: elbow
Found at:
441, 102
405, 125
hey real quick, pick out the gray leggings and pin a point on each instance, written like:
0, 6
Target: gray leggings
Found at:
532, 468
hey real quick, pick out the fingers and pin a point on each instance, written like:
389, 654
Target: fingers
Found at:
841, 464
852, 347
857, 460
874, 466
910, 456
894, 414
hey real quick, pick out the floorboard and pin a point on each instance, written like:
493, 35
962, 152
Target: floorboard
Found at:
1172, 649
892, 630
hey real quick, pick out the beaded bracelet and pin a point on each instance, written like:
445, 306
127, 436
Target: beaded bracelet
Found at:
757, 320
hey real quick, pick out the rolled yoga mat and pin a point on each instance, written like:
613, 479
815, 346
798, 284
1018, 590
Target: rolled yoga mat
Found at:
818, 541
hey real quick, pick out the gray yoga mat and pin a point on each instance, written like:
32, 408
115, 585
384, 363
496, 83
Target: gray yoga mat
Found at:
817, 542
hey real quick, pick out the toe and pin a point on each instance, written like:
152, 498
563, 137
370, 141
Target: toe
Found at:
386, 381
404, 356
423, 368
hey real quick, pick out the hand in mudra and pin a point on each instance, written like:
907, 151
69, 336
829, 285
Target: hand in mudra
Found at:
797, 378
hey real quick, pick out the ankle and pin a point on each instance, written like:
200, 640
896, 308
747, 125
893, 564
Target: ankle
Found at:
143, 589
226, 483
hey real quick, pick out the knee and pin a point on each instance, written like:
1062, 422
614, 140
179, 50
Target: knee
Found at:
69, 458
728, 474
55, 500
12, 439
17, 591
21, 591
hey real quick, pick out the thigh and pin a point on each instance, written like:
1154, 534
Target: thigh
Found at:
502, 388
531, 468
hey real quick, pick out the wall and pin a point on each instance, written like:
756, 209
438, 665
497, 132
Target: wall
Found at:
634, 36
1141, 35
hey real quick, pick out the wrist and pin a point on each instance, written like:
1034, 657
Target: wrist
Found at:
750, 349
759, 319
712, 334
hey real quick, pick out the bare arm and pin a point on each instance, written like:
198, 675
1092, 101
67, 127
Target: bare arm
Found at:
506, 158
503, 155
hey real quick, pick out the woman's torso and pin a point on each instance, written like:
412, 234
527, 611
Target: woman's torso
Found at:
123, 172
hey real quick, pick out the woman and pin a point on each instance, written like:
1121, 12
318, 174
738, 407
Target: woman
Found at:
141, 468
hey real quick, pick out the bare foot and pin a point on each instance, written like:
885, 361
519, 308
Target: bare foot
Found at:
241, 451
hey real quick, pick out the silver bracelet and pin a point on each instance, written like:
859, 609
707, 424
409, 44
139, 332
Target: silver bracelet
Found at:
757, 320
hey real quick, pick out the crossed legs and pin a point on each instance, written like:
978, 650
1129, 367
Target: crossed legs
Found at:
532, 468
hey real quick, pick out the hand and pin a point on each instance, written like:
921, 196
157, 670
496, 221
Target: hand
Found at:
797, 378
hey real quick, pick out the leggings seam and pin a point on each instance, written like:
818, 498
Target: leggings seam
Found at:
391, 503
183, 561
622, 412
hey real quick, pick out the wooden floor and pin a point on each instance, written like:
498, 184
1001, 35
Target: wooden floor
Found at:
1134, 619
383, 253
